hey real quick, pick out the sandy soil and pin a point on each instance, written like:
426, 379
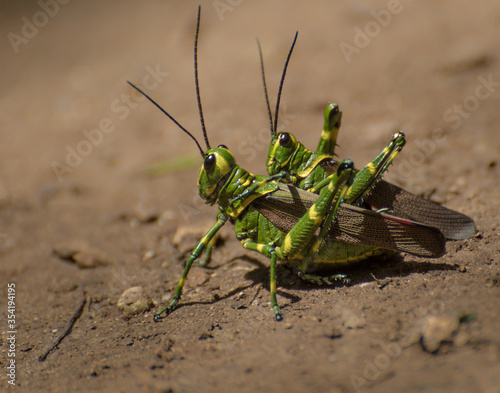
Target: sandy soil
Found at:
80, 222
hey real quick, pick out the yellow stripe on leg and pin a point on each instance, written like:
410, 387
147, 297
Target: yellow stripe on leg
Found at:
371, 168
273, 287
315, 216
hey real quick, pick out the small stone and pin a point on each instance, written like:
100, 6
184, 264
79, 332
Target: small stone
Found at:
167, 297
89, 259
148, 255
145, 214
187, 237
80, 253
197, 278
134, 301
435, 330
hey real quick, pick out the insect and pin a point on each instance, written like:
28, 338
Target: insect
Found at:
283, 222
307, 170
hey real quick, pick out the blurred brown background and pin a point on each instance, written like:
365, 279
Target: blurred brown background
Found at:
75, 143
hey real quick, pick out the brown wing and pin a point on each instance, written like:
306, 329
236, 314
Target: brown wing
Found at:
453, 225
354, 224
357, 225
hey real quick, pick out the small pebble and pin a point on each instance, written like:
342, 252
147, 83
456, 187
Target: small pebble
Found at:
81, 254
134, 301
148, 255
434, 330
197, 278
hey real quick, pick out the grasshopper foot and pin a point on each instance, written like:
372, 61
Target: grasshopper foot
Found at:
277, 313
158, 316
338, 278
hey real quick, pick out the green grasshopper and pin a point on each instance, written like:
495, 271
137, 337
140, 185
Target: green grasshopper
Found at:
307, 170
307, 230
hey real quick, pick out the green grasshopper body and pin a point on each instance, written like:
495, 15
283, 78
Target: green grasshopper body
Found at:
306, 169
304, 229
307, 230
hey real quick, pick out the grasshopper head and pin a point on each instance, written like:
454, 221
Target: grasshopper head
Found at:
281, 150
217, 166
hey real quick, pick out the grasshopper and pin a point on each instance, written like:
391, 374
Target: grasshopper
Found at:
286, 223
307, 170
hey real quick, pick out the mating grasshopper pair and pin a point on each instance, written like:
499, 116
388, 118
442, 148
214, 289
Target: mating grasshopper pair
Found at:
307, 170
304, 213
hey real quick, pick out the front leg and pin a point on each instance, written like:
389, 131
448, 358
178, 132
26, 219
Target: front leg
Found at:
206, 256
205, 240
256, 186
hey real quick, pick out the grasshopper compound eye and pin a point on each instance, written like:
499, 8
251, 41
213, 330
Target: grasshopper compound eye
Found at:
285, 139
345, 165
209, 163
222, 147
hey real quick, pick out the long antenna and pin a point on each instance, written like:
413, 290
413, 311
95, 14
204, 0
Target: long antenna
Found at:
200, 109
170, 117
273, 131
281, 83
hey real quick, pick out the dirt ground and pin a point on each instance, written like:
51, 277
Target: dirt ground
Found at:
80, 222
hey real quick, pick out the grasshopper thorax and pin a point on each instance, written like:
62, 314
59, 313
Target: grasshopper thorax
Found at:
218, 164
